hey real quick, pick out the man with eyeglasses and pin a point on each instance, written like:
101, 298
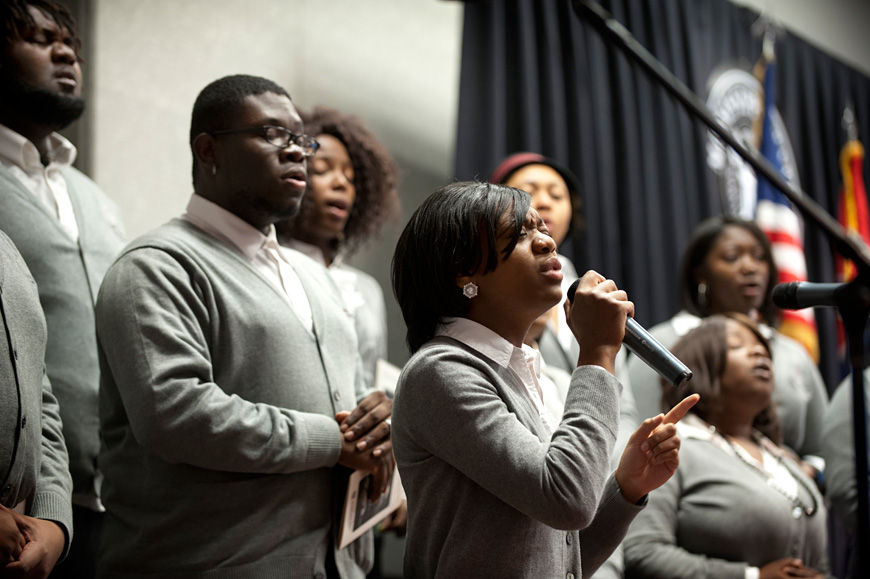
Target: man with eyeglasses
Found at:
66, 229
227, 364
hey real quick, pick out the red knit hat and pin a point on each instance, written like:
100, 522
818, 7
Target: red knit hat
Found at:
518, 160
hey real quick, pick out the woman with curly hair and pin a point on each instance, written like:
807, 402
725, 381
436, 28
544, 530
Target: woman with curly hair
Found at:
351, 194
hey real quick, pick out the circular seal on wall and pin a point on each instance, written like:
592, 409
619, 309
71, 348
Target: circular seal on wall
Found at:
735, 97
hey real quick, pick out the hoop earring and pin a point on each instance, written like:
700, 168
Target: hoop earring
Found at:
702, 295
214, 170
469, 290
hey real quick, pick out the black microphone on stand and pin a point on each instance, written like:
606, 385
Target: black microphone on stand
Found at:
797, 295
648, 349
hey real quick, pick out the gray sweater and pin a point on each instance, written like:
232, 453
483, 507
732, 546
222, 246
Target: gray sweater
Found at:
717, 515
33, 459
217, 410
68, 275
838, 450
489, 495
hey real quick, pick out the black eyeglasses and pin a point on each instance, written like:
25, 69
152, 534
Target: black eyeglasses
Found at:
278, 136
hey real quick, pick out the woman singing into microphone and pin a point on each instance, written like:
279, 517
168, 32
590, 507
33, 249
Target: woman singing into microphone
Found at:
495, 486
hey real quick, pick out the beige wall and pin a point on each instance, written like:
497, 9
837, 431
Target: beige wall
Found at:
838, 27
395, 63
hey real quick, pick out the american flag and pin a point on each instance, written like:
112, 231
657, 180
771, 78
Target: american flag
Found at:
781, 223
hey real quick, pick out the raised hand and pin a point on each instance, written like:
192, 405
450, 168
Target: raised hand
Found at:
652, 454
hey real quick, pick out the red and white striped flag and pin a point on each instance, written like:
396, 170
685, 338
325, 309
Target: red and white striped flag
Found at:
776, 217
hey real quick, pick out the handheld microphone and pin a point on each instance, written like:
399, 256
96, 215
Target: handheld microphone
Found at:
648, 349
797, 295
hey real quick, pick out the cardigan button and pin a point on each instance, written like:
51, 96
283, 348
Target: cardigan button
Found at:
568, 538
569, 576
336, 395
23, 422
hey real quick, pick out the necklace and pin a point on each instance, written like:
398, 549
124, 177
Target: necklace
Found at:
798, 507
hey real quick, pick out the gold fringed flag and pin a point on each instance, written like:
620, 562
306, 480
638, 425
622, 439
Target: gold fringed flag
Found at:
852, 214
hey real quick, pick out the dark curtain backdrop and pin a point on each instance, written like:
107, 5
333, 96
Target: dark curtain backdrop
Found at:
536, 77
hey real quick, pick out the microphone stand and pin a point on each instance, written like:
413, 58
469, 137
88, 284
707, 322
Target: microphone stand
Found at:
854, 305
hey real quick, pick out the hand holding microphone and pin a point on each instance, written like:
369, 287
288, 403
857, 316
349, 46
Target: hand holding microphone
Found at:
648, 349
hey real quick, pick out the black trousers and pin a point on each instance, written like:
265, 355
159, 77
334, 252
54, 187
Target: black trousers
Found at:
81, 562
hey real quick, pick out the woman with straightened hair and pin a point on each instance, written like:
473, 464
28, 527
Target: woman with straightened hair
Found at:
740, 505
495, 486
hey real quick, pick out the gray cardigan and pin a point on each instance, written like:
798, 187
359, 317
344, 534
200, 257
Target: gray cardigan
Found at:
68, 275
33, 468
217, 411
488, 494
838, 450
717, 515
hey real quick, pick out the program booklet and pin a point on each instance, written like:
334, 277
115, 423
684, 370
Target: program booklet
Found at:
361, 514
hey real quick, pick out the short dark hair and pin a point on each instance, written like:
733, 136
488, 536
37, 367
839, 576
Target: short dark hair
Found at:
15, 20
454, 232
216, 103
700, 243
705, 351
375, 176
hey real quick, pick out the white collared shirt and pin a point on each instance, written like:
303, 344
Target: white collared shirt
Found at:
262, 251
345, 277
524, 362
21, 158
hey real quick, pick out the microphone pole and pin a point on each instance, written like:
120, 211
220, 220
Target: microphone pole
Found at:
848, 244
854, 311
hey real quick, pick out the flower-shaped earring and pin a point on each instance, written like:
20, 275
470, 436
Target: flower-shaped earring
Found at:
469, 290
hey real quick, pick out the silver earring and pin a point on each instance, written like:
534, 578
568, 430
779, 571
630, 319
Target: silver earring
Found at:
469, 290
702, 295
214, 169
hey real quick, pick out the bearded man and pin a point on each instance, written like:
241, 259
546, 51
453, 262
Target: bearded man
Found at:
65, 227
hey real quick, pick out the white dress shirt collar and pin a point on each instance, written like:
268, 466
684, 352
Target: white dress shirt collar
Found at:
21, 158
482, 339
314, 252
227, 226
524, 362
16, 150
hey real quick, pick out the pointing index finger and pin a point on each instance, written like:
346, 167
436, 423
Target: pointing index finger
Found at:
677, 412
